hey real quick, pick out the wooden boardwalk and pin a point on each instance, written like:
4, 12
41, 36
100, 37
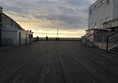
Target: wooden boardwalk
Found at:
57, 62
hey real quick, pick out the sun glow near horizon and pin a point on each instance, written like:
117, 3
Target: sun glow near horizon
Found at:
41, 28
61, 34
45, 17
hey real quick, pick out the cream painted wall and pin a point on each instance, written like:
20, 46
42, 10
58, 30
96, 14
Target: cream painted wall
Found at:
105, 12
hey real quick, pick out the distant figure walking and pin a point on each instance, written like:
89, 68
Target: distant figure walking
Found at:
46, 37
37, 38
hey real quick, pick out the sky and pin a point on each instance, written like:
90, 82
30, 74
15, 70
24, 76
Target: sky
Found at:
44, 17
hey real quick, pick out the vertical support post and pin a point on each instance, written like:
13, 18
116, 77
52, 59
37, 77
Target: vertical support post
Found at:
107, 44
1, 25
57, 33
0, 30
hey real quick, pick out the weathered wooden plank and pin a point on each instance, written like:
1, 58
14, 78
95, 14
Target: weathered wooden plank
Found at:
57, 62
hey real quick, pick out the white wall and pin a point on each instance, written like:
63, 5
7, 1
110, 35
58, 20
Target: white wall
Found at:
115, 10
24, 36
100, 14
10, 32
9, 35
29, 40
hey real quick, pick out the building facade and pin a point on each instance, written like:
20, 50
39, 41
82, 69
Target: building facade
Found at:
11, 33
103, 14
103, 23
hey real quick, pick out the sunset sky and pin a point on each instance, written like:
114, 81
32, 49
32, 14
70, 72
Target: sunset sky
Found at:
44, 17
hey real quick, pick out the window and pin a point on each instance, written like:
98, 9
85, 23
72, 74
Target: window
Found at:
98, 4
107, 1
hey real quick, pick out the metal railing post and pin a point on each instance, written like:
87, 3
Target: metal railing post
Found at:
1, 25
107, 44
0, 29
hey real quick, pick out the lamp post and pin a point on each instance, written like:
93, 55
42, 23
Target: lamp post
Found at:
1, 25
57, 33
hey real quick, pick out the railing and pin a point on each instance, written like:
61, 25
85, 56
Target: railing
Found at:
112, 41
100, 39
56, 39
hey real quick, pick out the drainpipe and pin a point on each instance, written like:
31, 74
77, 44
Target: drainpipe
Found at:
1, 25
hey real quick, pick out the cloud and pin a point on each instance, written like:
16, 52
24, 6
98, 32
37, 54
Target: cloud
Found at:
64, 14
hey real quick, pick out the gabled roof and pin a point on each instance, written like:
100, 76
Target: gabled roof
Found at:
18, 26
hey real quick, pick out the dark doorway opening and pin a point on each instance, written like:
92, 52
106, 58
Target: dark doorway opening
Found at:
19, 38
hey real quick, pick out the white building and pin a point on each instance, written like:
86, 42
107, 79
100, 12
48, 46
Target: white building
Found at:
103, 22
11, 33
103, 14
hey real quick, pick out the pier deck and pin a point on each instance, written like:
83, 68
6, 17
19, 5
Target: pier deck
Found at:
57, 62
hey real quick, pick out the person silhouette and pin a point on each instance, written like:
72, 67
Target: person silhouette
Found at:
37, 38
46, 37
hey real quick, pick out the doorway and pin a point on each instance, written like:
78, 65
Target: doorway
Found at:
19, 38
